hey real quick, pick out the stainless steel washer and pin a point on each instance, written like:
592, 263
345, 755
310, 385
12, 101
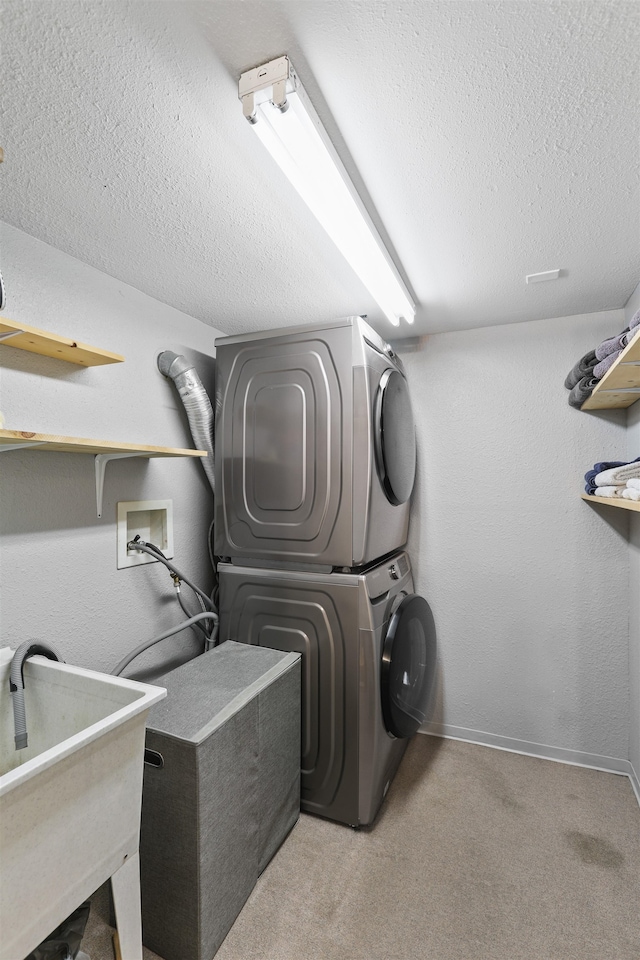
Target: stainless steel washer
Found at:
368, 665
315, 446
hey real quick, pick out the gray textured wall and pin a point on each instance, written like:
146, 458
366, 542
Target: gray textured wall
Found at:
634, 612
58, 561
529, 584
633, 451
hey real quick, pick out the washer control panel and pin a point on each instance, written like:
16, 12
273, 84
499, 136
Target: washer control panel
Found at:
385, 576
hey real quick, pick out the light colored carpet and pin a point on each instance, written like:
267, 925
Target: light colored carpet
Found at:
477, 854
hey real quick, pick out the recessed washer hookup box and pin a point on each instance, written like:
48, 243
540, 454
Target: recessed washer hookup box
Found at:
221, 792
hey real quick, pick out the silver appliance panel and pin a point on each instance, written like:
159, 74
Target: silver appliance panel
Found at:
298, 478
338, 622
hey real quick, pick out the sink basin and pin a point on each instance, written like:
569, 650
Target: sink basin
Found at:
70, 802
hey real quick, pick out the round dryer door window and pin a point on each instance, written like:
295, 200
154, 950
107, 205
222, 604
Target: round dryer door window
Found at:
408, 666
395, 439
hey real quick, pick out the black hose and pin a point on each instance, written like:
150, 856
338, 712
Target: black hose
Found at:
215, 593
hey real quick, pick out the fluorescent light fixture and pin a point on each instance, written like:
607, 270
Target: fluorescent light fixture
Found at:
283, 117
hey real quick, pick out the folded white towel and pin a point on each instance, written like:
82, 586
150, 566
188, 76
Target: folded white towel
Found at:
609, 491
629, 493
634, 483
617, 475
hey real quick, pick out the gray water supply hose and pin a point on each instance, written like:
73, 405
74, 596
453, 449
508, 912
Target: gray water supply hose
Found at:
117, 670
153, 551
196, 403
16, 683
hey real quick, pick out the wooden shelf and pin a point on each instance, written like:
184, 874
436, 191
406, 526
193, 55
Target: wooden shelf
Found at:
620, 386
103, 451
614, 502
16, 439
23, 337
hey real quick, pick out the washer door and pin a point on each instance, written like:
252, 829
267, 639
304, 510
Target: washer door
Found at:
395, 439
408, 666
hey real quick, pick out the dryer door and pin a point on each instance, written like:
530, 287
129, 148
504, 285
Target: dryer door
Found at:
395, 439
408, 666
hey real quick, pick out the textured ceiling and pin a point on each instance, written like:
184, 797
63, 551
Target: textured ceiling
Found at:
489, 139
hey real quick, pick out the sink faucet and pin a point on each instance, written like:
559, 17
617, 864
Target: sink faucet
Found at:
16, 683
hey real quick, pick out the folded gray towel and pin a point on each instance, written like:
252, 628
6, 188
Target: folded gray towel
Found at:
607, 347
583, 368
601, 368
612, 344
624, 340
582, 391
630, 335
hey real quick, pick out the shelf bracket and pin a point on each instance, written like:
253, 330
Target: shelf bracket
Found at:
620, 390
101, 461
10, 333
5, 447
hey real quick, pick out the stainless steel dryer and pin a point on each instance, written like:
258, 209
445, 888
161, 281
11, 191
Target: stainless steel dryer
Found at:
368, 664
315, 446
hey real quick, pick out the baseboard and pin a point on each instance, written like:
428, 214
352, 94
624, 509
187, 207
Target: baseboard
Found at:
635, 783
576, 758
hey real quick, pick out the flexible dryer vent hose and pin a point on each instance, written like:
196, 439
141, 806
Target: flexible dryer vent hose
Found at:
196, 403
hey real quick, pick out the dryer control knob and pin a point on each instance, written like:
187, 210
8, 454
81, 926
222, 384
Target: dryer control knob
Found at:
394, 573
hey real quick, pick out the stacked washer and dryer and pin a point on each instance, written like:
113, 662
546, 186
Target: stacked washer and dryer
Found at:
315, 464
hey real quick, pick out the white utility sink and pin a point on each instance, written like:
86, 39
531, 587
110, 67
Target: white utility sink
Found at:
70, 802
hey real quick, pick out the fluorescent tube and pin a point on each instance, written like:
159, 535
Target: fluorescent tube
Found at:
296, 140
